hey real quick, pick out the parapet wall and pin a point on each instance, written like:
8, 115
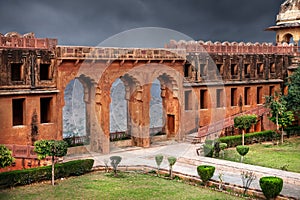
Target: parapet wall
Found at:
233, 47
29, 41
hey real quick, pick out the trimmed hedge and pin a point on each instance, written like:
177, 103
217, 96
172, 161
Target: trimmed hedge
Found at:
205, 172
271, 186
242, 150
250, 138
292, 131
208, 150
28, 176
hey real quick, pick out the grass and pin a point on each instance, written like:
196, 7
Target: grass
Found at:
281, 156
98, 185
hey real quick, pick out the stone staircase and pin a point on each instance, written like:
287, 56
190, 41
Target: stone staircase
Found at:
213, 129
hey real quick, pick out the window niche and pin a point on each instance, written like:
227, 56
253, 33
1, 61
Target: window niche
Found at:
17, 72
46, 109
45, 71
18, 111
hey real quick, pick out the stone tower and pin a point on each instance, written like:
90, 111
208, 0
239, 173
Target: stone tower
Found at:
288, 23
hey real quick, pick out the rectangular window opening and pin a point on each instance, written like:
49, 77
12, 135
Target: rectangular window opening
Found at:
233, 97
203, 70
220, 69
188, 100
220, 99
45, 72
45, 109
203, 99
18, 111
260, 69
272, 90
16, 71
247, 95
259, 95
247, 70
272, 68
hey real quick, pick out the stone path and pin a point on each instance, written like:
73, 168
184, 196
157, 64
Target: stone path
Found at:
187, 161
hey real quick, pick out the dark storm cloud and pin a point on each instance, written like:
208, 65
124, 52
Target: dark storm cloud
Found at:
92, 21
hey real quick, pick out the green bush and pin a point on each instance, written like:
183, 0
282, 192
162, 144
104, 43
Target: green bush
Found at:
292, 131
27, 176
205, 172
209, 142
271, 186
250, 138
223, 146
208, 150
242, 150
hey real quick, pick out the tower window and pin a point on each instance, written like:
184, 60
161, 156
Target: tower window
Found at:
45, 109
18, 111
247, 70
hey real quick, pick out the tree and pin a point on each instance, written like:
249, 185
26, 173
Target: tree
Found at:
244, 122
6, 158
53, 148
281, 116
293, 96
115, 161
158, 159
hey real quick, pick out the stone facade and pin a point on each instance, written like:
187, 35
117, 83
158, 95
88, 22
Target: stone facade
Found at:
202, 83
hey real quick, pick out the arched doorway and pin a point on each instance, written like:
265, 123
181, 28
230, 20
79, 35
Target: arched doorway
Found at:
74, 122
157, 119
118, 112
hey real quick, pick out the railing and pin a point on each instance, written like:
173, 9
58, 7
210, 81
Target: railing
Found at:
234, 47
115, 136
35, 43
76, 140
229, 121
70, 52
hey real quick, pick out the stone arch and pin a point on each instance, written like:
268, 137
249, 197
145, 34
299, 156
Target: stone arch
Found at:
288, 38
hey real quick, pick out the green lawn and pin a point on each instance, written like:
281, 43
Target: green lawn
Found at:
98, 185
269, 155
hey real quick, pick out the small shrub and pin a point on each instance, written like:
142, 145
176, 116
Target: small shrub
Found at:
172, 161
6, 158
209, 142
247, 179
158, 160
208, 150
223, 146
205, 172
242, 150
271, 186
115, 161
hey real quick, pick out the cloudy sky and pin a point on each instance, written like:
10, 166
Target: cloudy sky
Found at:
89, 22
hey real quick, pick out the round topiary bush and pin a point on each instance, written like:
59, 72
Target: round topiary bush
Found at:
242, 150
223, 146
205, 172
208, 150
271, 186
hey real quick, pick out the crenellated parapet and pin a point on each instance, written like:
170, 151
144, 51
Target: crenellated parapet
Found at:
233, 47
26, 41
108, 53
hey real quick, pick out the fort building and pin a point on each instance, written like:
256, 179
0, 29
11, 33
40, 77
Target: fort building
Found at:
203, 86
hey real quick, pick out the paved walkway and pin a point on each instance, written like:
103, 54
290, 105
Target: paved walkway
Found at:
187, 161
